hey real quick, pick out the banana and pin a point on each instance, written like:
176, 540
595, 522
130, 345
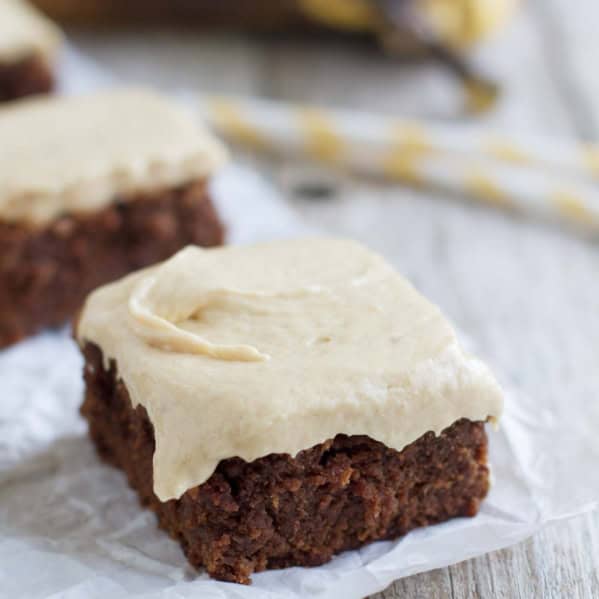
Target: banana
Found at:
458, 23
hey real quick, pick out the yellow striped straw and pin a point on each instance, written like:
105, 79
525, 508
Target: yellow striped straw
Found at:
550, 178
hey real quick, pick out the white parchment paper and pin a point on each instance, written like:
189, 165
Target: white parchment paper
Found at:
70, 527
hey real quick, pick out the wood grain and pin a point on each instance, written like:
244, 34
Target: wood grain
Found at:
527, 293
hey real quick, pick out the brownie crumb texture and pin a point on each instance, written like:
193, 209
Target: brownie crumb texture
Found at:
279, 511
46, 272
26, 77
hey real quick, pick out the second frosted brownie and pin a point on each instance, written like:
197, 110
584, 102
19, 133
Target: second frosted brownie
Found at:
91, 188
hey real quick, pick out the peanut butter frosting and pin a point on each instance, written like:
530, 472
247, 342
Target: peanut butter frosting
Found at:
24, 31
274, 348
78, 154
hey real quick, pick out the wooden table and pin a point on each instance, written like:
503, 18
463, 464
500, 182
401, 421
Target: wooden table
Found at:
526, 292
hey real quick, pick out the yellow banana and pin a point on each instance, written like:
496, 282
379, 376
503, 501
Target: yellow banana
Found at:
459, 23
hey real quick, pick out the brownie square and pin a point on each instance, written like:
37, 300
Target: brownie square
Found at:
279, 403
92, 188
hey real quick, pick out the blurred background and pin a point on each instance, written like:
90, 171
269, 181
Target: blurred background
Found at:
462, 72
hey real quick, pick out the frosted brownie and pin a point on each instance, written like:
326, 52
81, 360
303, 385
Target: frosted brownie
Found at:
29, 44
92, 188
280, 403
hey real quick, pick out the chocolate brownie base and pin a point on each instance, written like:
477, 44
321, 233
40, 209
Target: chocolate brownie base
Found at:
26, 77
46, 273
280, 511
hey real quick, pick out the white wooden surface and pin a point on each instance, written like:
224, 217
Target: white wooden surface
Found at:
526, 292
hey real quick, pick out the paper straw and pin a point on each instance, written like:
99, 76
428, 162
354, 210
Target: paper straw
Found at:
543, 177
